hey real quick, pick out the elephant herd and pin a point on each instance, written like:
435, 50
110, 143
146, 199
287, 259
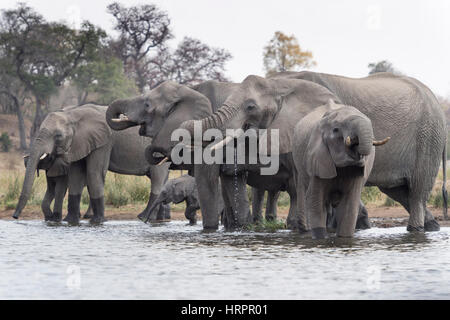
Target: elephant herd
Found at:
335, 136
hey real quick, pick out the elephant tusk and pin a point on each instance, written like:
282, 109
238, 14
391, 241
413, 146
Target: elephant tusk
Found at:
162, 161
43, 156
222, 143
348, 141
381, 142
121, 119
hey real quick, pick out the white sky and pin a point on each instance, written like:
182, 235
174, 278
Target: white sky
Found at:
344, 35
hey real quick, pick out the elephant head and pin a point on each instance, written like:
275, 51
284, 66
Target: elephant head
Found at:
64, 136
159, 113
343, 138
261, 103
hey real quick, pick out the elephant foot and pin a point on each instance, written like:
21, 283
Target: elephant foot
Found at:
143, 216
88, 216
98, 207
411, 228
319, 233
192, 222
56, 217
292, 225
96, 220
432, 225
73, 220
363, 223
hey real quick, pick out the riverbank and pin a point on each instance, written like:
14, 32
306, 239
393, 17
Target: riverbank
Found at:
381, 217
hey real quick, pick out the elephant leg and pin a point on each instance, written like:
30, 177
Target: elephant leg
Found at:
363, 221
148, 213
271, 206
165, 211
294, 220
96, 167
191, 212
161, 213
206, 179
331, 218
89, 213
257, 204
158, 177
348, 208
77, 178
316, 207
303, 223
60, 193
48, 198
234, 189
402, 195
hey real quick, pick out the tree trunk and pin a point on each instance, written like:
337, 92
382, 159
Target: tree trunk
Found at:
22, 135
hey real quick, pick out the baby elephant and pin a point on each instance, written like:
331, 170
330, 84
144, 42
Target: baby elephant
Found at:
178, 190
333, 152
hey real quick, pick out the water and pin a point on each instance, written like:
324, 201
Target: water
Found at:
131, 260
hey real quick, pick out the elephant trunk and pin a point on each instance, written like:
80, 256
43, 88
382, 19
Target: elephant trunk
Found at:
224, 118
39, 150
362, 130
217, 120
117, 115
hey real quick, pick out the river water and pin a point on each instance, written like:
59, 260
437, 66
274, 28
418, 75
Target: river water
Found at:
131, 260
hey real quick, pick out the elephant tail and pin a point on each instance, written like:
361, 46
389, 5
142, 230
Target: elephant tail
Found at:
444, 178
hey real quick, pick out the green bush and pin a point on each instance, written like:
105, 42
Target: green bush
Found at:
436, 200
85, 197
5, 142
370, 194
139, 190
115, 192
389, 202
13, 189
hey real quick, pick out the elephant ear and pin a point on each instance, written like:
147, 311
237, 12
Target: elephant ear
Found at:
90, 131
318, 158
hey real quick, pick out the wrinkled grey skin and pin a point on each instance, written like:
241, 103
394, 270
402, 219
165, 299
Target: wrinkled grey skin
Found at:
176, 191
159, 113
406, 110
329, 171
82, 145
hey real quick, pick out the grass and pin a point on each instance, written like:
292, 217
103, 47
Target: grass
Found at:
122, 190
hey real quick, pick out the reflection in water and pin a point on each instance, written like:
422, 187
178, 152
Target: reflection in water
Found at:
128, 259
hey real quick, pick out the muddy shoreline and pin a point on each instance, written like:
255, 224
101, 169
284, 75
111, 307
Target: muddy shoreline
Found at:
381, 217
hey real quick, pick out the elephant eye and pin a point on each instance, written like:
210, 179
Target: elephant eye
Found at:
147, 104
335, 130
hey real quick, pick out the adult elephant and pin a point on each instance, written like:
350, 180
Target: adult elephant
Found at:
217, 92
159, 113
398, 106
79, 142
166, 107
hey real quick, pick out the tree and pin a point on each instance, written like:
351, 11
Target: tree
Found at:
142, 46
191, 63
105, 79
44, 54
13, 93
382, 66
283, 53
143, 30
